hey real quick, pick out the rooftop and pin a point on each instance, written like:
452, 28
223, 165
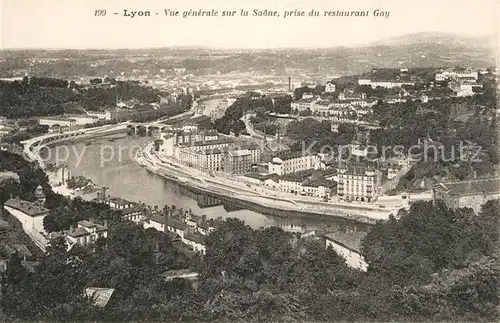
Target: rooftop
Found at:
261, 177
79, 116
56, 118
198, 238
350, 240
213, 142
213, 151
119, 201
131, 210
472, 187
8, 175
100, 296
250, 145
21, 249
356, 170
297, 176
241, 152
90, 225
83, 229
171, 222
29, 208
289, 155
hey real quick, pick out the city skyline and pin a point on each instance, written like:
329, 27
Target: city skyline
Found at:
76, 26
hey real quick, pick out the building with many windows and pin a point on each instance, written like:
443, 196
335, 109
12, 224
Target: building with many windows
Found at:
303, 104
457, 73
211, 159
102, 115
61, 122
388, 84
472, 194
205, 150
292, 162
30, 214
68, 120
358, 182
238, 161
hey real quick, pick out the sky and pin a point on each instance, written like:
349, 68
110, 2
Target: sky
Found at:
73, 24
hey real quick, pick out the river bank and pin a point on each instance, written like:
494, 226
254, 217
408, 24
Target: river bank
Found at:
239, 193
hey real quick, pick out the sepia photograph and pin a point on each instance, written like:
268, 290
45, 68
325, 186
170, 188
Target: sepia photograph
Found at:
271, 161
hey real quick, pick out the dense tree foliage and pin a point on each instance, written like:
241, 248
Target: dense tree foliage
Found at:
318, 136
29, 176
431, 263
48, 96
68, 213
253, 103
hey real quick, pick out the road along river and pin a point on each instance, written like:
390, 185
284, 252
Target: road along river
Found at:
110, 162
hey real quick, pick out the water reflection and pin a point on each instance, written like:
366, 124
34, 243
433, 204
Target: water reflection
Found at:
100, 161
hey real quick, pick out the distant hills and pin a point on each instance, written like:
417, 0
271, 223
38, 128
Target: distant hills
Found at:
428, 50
411, 51
437, 38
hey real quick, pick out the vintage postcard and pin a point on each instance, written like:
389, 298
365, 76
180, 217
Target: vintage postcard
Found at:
263, 161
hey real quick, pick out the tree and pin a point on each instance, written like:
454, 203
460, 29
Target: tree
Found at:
8, 188
13, 289
231, 250
127, 240
425, 240
282, 104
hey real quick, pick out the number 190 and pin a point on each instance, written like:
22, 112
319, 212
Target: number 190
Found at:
100, 12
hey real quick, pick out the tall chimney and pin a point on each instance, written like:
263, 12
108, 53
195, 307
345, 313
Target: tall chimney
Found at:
165, 220
289, 84
103, 193
265, 138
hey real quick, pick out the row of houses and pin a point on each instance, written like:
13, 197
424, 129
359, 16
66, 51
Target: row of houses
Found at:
31, 216
191, 230
67, 122
333, 107
188, 228
463, 88
298, 184
211, 153
388, 84
457, 73
184, 227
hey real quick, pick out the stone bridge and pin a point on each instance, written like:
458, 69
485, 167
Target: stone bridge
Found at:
148, 126
31, 147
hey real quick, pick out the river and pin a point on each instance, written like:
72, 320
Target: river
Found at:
109, 162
